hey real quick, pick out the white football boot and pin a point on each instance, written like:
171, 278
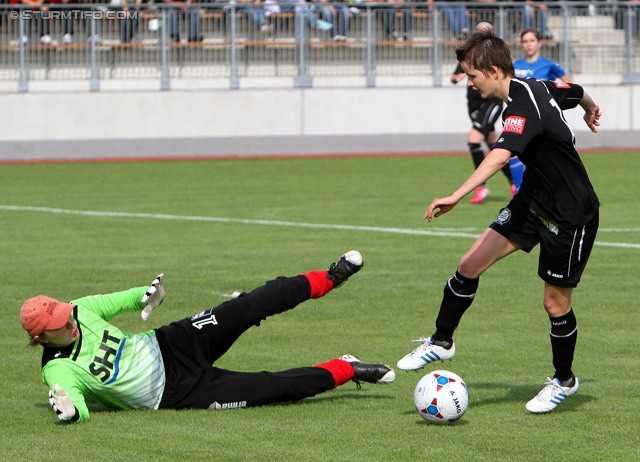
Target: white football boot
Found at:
426, 353
551, 395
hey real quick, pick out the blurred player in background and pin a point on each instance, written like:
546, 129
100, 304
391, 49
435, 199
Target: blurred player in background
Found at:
556, 207
534, 66
483, 114
87, 359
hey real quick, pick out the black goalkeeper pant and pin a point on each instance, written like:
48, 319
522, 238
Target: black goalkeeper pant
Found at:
189, 348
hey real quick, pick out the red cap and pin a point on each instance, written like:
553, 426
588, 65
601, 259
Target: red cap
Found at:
42, 313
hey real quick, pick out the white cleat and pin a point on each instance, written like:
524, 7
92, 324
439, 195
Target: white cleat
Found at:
426, 353
551, 396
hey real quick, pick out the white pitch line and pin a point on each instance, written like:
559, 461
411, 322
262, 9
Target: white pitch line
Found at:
445, 232
226, 295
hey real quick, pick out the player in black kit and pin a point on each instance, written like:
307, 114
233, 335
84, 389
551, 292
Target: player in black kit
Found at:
555, 207
483, 114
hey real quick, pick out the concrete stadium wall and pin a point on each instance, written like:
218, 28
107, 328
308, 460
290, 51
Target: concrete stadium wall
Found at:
68, 124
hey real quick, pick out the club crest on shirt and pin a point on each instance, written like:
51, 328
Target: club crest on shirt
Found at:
514, 124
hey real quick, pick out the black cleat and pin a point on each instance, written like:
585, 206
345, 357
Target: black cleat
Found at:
370, 373
349, 264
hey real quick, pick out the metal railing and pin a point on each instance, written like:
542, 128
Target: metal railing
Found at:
97, 42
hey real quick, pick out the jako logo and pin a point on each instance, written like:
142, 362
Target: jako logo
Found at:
554, 275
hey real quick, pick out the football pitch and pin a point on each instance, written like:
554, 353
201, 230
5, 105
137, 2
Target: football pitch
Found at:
218, 226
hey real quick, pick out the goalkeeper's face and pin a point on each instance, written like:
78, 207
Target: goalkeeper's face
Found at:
62, 336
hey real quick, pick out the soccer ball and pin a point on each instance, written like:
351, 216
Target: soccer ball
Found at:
441, 397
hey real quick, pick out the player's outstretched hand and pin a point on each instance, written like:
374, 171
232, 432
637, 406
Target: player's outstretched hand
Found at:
62, 404
591, 117
153, 296
442, 205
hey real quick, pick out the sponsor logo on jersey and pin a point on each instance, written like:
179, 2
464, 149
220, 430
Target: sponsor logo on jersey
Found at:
104, 366
514, 124
504, 216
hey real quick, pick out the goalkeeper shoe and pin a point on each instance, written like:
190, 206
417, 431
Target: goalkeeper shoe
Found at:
426, 353
370, 373
348, 265
553, 393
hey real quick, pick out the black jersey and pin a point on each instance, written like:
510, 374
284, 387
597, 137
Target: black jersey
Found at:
555, 184
474, 100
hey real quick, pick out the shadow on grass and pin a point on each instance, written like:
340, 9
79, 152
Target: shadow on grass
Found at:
523, 393
324, 398
331, 397
512, 394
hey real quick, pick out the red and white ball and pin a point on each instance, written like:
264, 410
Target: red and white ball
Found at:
441, 397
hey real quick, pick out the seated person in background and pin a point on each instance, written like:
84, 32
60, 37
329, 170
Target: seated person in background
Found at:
336, 14
129, 26
389, 20
43, 24
130, 23
388, 15
456, 16
191, 13
534, 13
3, 12
66, 18
93, 25
256, 13
308, 17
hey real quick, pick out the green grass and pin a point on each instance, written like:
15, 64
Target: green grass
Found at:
503, 345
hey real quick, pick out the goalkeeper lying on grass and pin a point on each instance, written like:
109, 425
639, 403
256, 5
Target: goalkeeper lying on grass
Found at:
87, 359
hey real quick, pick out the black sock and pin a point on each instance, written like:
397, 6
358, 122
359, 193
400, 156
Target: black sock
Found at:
564, 334
507, 172
458, 296
477, 153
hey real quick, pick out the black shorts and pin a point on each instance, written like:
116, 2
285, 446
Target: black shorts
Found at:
563, 251
484, 117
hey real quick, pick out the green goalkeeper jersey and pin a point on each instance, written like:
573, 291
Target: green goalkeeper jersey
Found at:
104, 365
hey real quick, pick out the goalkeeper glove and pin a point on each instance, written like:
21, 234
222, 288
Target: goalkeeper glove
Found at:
153, 296
62, 404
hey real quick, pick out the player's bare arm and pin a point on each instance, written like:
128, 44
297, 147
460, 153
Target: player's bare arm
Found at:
493, 163
455, 78
592, 112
